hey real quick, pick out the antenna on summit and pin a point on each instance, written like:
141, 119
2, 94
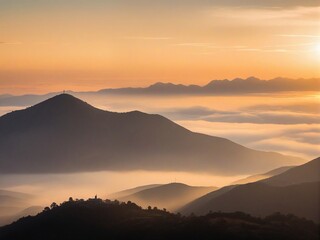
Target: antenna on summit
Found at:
64, 91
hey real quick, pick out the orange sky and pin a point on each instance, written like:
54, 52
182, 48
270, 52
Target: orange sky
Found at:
87, 45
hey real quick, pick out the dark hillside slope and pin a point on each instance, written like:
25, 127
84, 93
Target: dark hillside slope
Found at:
296, 191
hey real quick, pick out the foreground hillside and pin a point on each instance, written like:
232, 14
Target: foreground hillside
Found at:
97, 219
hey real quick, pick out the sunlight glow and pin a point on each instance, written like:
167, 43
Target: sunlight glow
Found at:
317, 49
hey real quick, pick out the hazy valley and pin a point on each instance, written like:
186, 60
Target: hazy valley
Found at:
64, 116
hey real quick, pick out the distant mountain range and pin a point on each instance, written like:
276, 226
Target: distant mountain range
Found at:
237, 85
215, 87
65, 134
295, 191
171, 196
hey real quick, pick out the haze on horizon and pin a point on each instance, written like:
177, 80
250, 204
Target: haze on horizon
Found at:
88, 45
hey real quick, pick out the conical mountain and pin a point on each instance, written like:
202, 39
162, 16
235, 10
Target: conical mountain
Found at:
65, 134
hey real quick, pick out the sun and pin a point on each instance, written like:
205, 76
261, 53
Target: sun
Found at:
317, 48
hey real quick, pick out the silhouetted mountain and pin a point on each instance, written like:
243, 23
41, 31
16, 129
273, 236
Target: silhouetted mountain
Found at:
296, 191
127, 192
97, 219
171, 196
258, 177
215, 87
65, 134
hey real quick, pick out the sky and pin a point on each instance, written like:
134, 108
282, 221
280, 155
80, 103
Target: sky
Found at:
51, 45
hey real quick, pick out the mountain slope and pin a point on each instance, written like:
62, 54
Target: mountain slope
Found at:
130, 191
295, 191
201, 204
65, 134
308, 172
258, 177
260, 199
171, 196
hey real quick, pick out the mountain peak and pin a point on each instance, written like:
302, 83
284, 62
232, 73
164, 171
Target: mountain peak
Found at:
253, 79
60, 107
63, 98
161, 85
64, 102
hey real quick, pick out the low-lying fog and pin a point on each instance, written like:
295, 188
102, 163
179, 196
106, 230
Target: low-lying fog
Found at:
48, 188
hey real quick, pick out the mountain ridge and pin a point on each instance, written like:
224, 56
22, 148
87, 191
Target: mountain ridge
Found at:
171, 196
214, 87
73, 136
258, 177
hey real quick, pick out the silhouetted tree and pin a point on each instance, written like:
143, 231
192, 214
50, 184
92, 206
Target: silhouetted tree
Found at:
46, 209
53, 205
100, 220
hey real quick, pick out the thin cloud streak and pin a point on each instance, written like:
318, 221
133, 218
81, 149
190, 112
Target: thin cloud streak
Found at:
263, 50
9, 43
148, 38
299, 36
284, 48
195, 44
267, 137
